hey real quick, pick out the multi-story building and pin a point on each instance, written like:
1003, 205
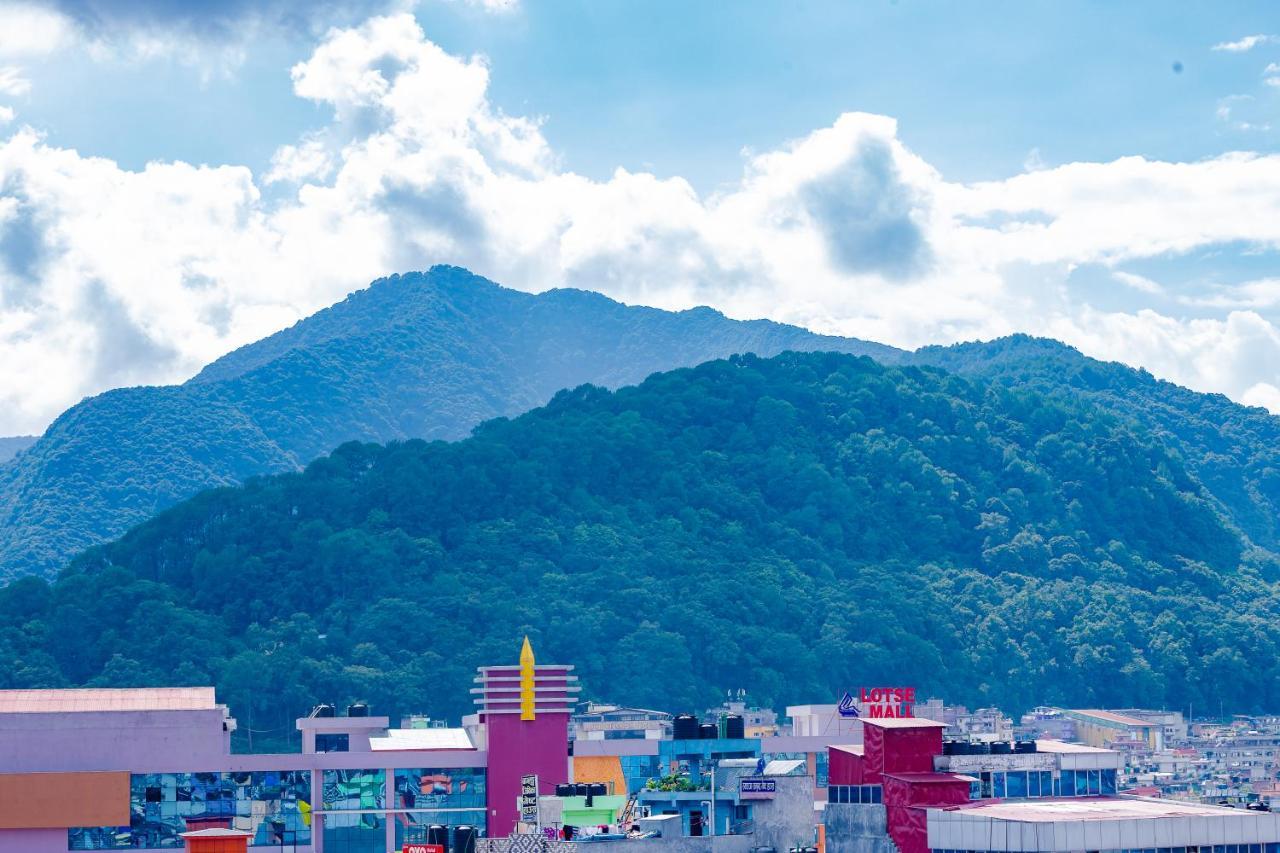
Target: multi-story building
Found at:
135, 769
904, 791
618, 722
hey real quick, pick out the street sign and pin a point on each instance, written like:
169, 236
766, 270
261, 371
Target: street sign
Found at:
529, 798
755, 788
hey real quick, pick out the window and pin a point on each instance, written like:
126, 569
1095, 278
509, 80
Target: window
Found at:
329, 742
162, 803
1016, 784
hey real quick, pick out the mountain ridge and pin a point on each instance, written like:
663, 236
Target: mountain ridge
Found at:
416, 355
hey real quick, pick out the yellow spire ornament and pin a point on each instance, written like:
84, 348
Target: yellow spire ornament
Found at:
526, 681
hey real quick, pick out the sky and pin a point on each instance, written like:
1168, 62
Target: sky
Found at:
178, 179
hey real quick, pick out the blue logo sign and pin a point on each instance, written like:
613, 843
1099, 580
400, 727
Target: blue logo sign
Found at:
847, 707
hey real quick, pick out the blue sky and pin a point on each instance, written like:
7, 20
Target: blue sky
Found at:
905, 171
680, 88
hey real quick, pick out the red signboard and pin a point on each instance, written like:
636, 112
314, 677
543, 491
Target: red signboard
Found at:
888, 702
423, 848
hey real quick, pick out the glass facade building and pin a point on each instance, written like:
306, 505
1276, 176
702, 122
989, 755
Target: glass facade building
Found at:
273, 805
355, 807
449, 797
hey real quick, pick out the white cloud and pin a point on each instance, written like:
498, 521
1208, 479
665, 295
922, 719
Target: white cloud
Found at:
1258, 294
1142, 284
308, 160
110, 276
6, 114
1244, 44
28, 30
12, 82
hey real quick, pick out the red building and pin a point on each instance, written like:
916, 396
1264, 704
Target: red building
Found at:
897, 755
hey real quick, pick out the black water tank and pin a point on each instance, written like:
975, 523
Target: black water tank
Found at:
438, 833
735, 728
685, 727
323, 711
708, 731
1001, 748
599, 789
359, 709
564, 790
464, 839
1024, 746
581, 789
949, 747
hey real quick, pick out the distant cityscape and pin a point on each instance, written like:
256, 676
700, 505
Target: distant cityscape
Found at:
875, 771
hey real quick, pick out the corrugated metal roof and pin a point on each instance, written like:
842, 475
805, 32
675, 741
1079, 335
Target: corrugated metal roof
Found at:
1112, 717
784, 767
107, 699
422, 739
1095, 808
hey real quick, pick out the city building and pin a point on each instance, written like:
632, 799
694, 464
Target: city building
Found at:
906, 791
1113, 730
616, 722
757, 722
135, 769
1045, 723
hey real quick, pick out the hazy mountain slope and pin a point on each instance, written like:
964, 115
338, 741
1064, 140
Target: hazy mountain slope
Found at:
420, 355
10, 446
792, 526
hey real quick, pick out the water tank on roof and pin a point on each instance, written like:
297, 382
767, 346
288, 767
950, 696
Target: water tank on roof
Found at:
323, 711
708, 731
564, 790
735, 728
438, 833
1001, 748
359, 709
1024, 746
581, 789
685, 727
464, 839
949, 747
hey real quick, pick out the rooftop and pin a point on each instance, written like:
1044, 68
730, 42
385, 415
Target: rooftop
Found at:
931, 778
1094, 808
1111, 717
1060, 746
851, 748
422, 739
107, 699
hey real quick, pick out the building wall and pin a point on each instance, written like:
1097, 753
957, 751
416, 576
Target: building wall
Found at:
788, 819
856, 829
600, 768
59, 800
111, 740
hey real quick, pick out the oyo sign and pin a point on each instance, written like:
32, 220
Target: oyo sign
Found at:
423, 848
882, 703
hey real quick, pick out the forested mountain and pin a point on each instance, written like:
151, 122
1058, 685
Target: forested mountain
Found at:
1233, 450
424, 355
793, 525
11, 445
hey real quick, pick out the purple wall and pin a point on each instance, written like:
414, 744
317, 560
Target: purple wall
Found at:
517, 747
33, 841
